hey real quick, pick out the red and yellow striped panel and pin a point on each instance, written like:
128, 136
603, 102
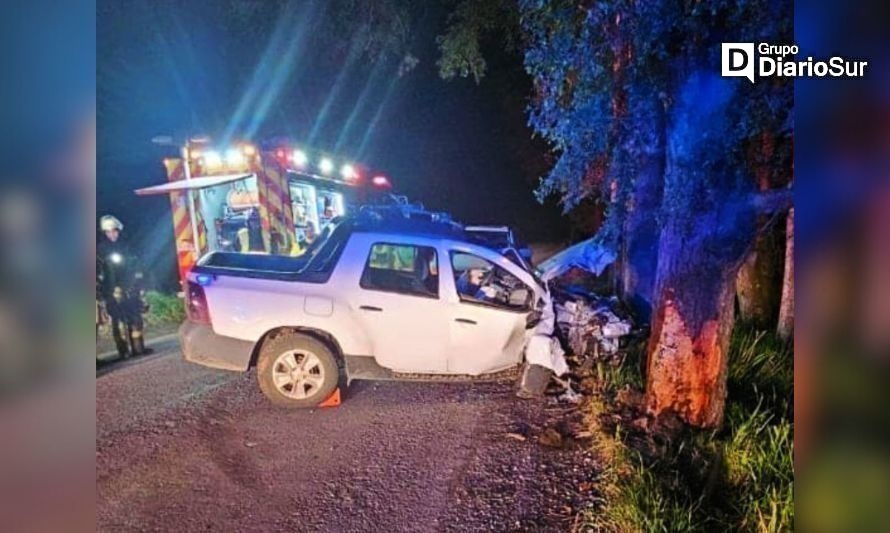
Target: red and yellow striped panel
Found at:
202, 226
182, 230
275, 207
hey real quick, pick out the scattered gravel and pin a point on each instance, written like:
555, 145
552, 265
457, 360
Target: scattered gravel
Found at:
182, 448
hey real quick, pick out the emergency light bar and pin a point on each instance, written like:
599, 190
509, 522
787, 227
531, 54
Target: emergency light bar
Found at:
211, 159
237, 158
348, 171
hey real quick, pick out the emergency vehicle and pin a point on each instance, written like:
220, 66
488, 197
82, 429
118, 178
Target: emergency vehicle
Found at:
272, 198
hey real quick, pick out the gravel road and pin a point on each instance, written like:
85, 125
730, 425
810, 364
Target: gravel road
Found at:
183, 448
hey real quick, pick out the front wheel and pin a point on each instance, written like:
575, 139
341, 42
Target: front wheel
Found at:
296, 370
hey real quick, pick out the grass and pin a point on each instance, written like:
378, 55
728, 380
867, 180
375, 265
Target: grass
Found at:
164, 308
739, 478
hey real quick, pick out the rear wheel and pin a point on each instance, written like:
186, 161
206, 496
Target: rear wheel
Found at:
296, 370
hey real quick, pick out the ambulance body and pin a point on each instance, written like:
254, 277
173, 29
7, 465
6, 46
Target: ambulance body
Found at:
273, 199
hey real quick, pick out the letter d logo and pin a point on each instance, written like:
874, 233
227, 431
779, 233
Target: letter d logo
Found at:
738, 60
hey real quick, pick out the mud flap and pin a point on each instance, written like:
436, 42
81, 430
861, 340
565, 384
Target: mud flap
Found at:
533, 381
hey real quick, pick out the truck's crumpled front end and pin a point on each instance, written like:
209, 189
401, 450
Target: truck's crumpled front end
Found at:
589, 324
542, 347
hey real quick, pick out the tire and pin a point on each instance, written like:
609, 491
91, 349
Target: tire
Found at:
304, 368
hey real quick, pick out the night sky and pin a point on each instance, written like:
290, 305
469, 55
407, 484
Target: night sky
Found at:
187, 68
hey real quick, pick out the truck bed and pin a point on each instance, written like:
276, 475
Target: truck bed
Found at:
315, 266
246, 265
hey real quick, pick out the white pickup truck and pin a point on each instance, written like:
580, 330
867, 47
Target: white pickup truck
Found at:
384, 298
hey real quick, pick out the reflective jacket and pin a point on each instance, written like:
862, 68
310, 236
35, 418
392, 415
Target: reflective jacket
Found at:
116, 266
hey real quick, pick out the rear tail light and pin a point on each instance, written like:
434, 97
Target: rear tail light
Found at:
196, 304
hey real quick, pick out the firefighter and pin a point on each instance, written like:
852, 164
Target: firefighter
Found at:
120, 286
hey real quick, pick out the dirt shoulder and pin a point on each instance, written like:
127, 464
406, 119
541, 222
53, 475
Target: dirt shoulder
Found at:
105, 342
394, 457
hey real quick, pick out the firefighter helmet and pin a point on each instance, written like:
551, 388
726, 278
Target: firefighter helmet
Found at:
109, 222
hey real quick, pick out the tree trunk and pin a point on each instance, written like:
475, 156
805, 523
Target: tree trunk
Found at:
785, 327
691, 326
700, 251
759, 281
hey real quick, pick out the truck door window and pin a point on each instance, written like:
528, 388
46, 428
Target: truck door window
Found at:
402, 268
479, 281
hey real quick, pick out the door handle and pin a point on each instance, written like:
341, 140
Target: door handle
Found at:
370, 308
465, 321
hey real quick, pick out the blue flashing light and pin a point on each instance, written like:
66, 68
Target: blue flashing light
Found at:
204, 279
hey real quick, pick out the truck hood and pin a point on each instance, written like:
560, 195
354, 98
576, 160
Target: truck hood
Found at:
588, 255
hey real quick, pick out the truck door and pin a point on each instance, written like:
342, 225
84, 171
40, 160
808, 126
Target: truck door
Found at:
399, 305
488, 312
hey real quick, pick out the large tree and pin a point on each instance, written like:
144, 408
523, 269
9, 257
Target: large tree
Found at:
629, 95
711, 209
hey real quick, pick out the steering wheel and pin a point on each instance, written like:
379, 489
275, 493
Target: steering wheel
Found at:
487, 278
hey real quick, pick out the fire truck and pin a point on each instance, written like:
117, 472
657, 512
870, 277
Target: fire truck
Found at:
271, 198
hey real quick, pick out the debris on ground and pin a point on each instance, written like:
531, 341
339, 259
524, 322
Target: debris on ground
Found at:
552, 438
570, 395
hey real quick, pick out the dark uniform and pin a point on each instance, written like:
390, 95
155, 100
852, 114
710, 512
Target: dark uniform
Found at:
120, 286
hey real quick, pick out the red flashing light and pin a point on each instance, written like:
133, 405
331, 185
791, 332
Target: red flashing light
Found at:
380, 181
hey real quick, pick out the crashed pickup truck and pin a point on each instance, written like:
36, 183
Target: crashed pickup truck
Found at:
378, 297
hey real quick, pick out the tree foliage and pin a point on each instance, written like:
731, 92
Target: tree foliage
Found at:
608, 76
471, 22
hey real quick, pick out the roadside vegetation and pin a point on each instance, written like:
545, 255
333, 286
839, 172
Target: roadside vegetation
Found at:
164, 309
663, 476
